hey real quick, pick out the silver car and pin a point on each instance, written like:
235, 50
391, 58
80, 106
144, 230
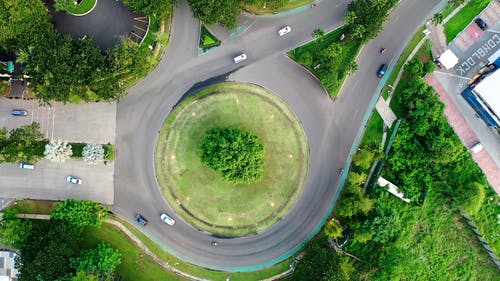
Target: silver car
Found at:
73, 180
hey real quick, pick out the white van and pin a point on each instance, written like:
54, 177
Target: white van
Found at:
26, 166
240, 58
476, 148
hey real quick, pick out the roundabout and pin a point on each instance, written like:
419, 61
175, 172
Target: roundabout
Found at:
202, 196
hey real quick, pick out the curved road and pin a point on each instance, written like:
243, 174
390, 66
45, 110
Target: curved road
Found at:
331, 126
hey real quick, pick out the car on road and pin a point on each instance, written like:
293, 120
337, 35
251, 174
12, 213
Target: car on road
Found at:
240, 58
19, 112
381, 70
284, 31
74, 180
140, 219
481, 23
166, 219
26, 166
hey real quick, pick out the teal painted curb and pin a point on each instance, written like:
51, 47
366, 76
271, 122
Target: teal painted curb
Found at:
336, 196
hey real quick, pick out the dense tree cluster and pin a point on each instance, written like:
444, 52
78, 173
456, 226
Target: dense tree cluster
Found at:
236, 154
50, 250
426, 153
80, 213
323, 264
23, 144
63, 69
366, 17
156, 8
218, 11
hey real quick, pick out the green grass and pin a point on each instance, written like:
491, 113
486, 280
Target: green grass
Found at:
487, 220
33, 206
257, 7
77, 149
438, 238
83, 8
135, 265
238, 208
350, 48
374, 130
460, 20
206, 273
207, 39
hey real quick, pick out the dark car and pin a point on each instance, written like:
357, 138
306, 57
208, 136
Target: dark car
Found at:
19, 112
140, 219
481, 23
381, 71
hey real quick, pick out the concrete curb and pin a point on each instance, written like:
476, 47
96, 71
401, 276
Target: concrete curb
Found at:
86, 13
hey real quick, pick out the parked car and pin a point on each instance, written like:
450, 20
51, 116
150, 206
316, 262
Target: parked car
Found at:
166, 219
140, 219
381, 70
284, 31
481, 23
476, 147
26, 166
19, 112
74, 180
240, 58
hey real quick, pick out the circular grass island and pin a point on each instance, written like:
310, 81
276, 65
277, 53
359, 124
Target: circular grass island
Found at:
201, 195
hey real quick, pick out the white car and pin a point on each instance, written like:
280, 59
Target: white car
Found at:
166, 219
73, 180
284, 31
240, 58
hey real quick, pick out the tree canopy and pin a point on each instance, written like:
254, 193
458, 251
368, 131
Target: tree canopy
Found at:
101, 261
216, 11
80, 213
22, 144
365, 17
236, 154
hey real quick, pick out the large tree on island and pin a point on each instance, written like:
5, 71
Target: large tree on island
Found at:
236, 154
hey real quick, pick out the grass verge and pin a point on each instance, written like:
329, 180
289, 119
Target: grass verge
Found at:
270, 8
28, 206
202, 272
460, 20
201, 195
135, 265
374, 130
402, 59
84, 7
332, 78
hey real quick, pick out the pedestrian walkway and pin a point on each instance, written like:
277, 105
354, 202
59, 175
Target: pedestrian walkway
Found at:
466, 134
385, 112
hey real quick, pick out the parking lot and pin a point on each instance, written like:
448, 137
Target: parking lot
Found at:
87, 123
48, 181
473, 46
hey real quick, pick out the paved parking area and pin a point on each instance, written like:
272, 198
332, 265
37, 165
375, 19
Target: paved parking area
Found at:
86, 122
106, 24
48, 181
473, 46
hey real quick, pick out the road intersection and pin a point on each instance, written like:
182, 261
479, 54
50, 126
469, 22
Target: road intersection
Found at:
333, 128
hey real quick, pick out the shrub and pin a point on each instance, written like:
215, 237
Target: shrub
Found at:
236, 154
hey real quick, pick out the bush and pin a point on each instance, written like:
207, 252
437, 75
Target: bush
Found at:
236, 154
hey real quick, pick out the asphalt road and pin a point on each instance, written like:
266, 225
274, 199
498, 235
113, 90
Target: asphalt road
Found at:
331, 126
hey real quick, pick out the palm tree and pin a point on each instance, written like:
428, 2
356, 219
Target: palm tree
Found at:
58, 151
